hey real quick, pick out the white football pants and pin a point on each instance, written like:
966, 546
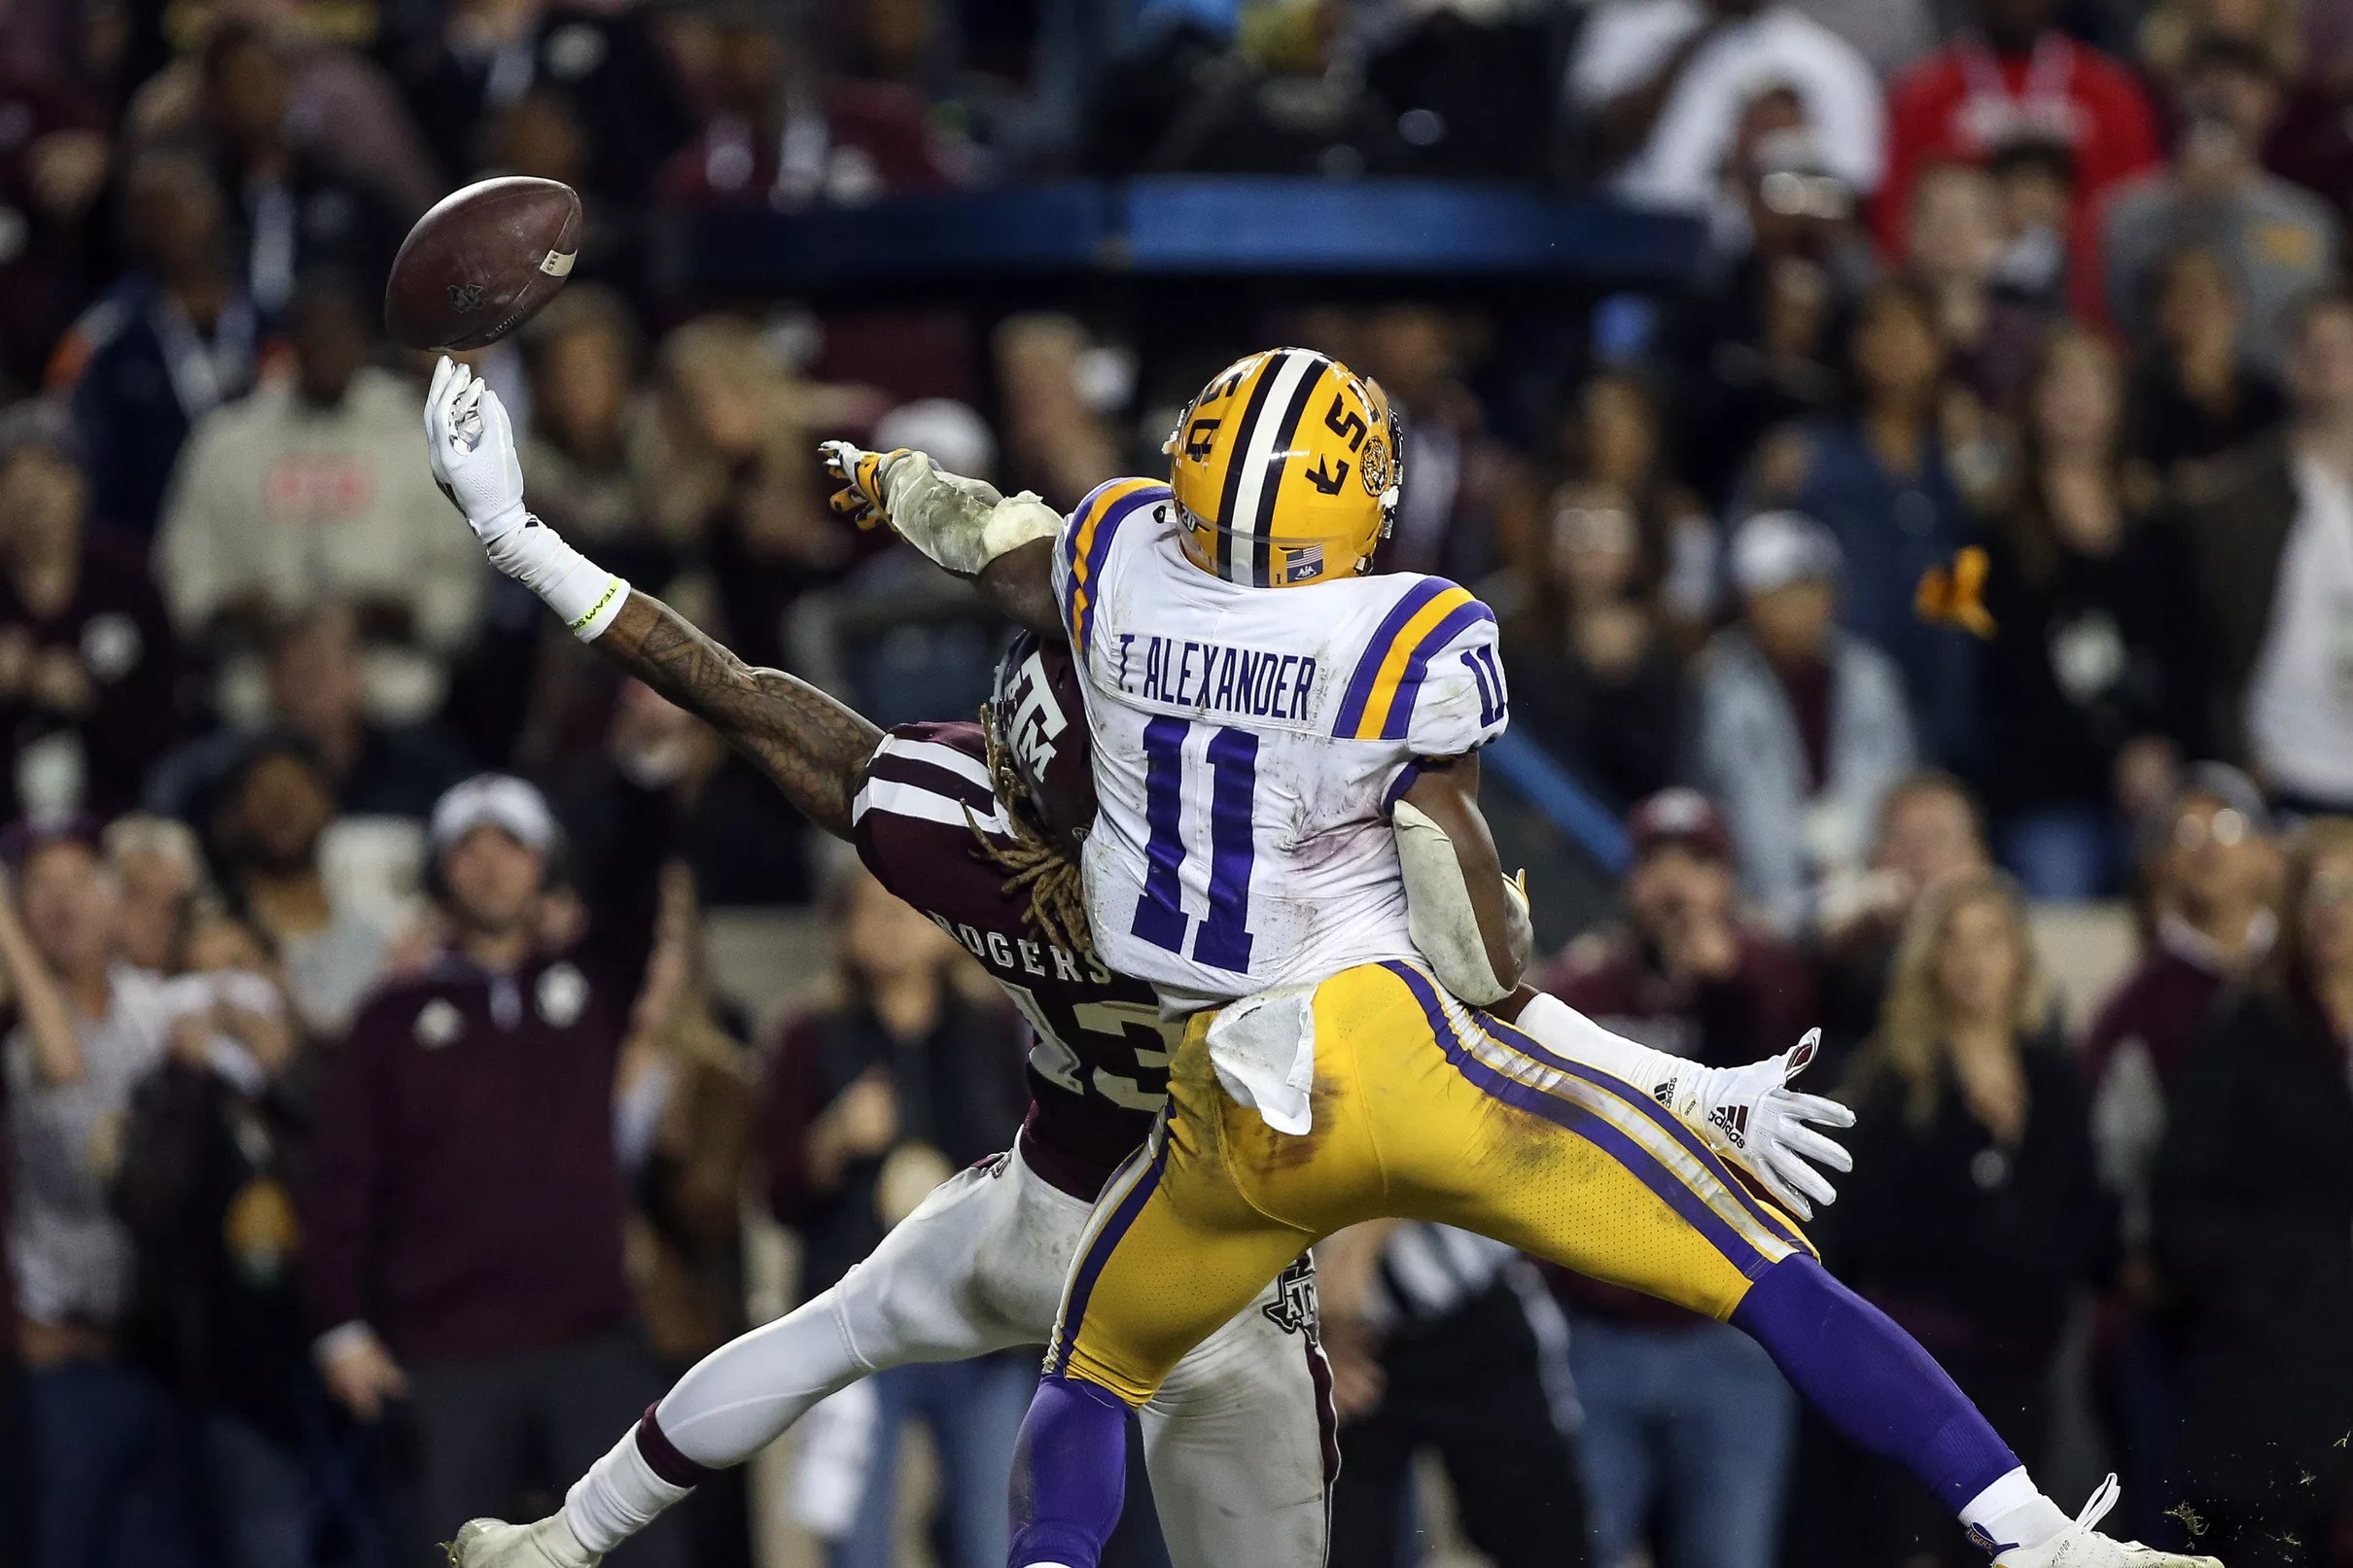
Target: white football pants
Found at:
1238, 1441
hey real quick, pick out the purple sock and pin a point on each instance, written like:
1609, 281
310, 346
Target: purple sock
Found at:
1872, 1380
1070, 1473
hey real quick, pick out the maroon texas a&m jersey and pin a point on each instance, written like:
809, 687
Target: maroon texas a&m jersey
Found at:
1099, 1069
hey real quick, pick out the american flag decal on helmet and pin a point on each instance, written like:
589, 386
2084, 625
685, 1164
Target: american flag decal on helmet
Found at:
1269, 426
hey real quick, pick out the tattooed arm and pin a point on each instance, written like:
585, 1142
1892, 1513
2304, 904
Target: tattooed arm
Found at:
1004, 545
812, 747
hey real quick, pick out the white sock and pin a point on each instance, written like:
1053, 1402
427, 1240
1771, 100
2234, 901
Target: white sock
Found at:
619, 1496
2012, 1513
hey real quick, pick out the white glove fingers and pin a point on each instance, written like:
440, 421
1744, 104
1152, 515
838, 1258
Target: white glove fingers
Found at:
1819, 1110
494, 420
468, 405
1821, 1150
510, 451
470, 444
1807, 1179
453, 404
1788, 1196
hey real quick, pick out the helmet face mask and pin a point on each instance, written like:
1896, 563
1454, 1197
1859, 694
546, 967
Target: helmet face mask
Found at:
1286, 471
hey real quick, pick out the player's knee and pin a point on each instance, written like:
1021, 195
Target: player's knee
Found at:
1787, 1285
1107, 1372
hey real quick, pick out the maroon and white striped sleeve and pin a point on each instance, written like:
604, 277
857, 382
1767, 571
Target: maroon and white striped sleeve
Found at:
925, 787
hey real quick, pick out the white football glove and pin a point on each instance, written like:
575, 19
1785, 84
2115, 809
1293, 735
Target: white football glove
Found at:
1751, 1117
471, 445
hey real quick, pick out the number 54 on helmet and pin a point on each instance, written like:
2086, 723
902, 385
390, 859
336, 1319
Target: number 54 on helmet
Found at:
1285, 470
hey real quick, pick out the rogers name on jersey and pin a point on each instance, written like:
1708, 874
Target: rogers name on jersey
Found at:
1024, 955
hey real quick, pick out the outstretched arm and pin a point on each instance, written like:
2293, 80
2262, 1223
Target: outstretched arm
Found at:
812, 747
1003, 545
1018, 586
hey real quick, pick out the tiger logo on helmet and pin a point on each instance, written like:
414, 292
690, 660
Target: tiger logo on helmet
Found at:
1285, 470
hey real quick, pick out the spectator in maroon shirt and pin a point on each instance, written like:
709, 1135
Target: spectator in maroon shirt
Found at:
1681, 1414
783, 132
88, 665
779, 133
464, 1213
1687, 975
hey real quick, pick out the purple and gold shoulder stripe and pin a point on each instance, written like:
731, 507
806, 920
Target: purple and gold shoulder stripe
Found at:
1379, 703
1086, 544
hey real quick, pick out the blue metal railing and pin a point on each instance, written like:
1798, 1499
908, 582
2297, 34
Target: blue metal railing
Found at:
1176, 225
1551, 789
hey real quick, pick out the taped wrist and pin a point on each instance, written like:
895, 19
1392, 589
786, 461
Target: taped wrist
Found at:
585, 595
962, 524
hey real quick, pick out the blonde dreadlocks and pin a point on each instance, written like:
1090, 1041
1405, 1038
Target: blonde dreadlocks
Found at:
1058, 905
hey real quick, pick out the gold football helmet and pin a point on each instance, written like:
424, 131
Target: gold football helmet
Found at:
1285, 470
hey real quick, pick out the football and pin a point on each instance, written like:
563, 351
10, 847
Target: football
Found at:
485, 260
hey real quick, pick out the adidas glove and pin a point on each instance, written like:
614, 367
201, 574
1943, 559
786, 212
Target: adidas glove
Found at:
1751, 1117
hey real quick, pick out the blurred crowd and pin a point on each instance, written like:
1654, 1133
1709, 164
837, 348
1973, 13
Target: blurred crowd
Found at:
1971, 536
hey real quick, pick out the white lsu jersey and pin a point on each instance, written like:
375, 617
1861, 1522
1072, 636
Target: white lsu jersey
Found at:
1248, 744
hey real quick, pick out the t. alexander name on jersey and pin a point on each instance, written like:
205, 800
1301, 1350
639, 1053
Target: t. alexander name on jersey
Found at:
1024, 955
1217, 677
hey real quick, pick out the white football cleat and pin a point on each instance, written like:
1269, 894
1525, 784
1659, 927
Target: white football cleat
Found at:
496, 1543
2080, 1546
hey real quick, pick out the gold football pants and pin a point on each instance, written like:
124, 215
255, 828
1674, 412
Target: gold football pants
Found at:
1423, 1109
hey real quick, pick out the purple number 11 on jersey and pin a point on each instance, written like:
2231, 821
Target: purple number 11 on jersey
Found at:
1224, 941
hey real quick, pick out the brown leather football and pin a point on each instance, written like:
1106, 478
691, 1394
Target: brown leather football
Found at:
482, 263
